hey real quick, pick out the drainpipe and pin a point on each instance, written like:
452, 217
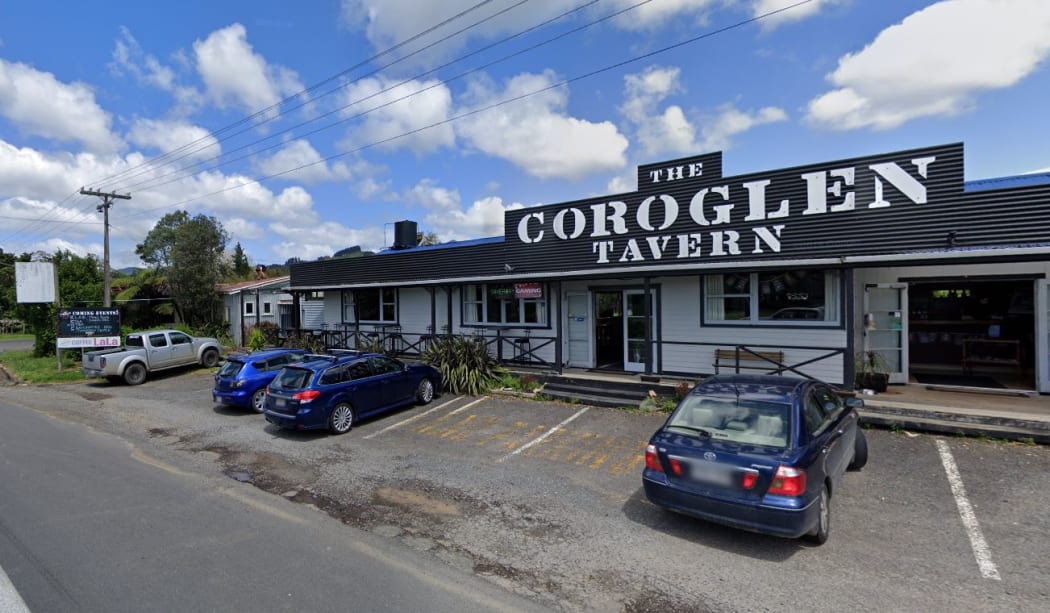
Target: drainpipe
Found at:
849, 375
648, 330
558, 327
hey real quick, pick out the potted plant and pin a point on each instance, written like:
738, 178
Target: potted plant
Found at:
872, 371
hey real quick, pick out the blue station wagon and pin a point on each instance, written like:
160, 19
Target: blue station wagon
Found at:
242, 380
758, 452
335, 391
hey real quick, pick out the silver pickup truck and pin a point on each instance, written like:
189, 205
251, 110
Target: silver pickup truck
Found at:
145, 352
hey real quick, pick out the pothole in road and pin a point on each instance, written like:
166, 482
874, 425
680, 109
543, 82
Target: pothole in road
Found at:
650, 601
94, 396
161, 432
417, 501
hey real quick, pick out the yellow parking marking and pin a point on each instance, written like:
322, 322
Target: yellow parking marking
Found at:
413, 418
544, 436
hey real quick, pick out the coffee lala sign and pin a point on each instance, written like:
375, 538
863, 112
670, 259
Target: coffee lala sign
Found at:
682, 213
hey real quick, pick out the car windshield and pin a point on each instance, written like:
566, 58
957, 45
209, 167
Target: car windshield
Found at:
231, 368
741, 420
292, 378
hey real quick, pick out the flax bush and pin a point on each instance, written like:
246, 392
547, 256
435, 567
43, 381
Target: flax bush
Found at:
465, 364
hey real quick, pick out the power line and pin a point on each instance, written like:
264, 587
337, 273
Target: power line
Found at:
621, 64
150, 184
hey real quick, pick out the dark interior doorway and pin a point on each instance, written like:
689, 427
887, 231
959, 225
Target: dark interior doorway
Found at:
968, 332
608, 332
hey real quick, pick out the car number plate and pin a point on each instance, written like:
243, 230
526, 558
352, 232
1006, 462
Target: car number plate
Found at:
714, 474
279, 403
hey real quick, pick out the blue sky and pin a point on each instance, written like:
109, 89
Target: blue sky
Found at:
426, 111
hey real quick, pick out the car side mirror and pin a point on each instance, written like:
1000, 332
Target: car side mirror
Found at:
855, 403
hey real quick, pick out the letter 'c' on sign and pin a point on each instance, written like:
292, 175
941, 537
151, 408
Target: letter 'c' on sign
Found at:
523, 228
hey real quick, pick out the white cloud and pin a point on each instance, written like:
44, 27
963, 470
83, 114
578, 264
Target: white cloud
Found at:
128, 56
446, 217
535, 133
730, 121
788, 15
169, 135
655, 14
670, 131
38, 103
322, 239
935, 62
399, 110
235, 75
622, 184
300, 154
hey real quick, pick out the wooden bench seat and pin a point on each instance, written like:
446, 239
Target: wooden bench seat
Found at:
748, 360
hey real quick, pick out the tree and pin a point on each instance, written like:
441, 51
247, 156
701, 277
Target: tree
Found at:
145, 299
241, 267
428, 238
79, 285
188, 251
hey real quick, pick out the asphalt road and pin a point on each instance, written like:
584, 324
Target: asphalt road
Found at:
91, 523
545, 499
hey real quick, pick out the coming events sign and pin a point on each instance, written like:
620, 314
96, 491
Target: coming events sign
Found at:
88, 328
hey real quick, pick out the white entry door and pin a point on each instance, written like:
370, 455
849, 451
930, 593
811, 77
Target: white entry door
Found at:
580, 328
634, 329
886, 326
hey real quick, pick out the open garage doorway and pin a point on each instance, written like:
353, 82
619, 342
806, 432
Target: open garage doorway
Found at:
972, 332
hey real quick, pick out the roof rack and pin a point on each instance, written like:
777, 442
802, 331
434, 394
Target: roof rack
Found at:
339, 351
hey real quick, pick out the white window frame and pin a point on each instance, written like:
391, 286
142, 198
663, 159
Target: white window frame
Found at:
267, 308
382, 305
482, 289
249, 309
714, 302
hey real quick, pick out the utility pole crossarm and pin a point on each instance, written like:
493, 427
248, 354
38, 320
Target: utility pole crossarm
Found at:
107, 201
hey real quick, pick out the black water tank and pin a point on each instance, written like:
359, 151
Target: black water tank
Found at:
404, 234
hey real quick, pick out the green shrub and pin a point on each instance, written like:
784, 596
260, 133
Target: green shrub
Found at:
256, 339
465, 364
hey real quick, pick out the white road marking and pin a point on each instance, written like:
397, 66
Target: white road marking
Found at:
543, 436
10, 600
413, 418
468, 405
981, 551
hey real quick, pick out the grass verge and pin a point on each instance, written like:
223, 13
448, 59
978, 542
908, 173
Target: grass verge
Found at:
27, 369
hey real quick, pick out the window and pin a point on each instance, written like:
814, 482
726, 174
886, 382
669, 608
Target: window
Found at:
384, 365
249, 308
267, 308
500, 304
178, 338
376, 305
774, 298
158, 340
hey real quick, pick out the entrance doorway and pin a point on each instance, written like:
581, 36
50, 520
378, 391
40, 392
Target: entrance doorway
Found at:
978, 333
619, 329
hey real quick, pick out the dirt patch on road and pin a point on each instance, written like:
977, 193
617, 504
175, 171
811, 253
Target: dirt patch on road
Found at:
416, 501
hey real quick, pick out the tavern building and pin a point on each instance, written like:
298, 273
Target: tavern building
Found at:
892, 255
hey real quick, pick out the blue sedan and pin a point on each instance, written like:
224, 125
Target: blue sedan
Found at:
335, 391
757, 452
242, 380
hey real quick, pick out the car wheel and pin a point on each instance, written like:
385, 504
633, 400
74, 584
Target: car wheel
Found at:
860, 452
823, 529
259, 400
210, 358
135, 374
425, 391
341, 419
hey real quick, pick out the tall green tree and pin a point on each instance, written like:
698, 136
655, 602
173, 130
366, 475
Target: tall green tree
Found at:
241, 267
188, 252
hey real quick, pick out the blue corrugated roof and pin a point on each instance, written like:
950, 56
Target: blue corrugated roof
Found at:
448, 245
1037, 178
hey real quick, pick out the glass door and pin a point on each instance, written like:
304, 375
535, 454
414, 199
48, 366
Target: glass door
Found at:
886, 328
634, 329
579, 327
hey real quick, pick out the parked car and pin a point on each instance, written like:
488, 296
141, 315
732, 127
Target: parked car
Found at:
335, 391
146, 352
242, 380
758, 452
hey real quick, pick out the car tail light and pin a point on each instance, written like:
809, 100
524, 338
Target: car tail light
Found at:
749, 479
652, 460
306, 396
676, 466
788, 481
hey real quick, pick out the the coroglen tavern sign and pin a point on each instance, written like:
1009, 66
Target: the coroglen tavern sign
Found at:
686, 211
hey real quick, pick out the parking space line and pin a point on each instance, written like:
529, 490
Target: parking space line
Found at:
413, 418
981, 551
468, 405
544, 436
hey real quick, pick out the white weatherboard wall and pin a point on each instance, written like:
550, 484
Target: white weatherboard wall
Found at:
681, 316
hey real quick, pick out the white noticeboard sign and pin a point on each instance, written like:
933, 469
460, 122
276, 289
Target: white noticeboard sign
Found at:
35, 281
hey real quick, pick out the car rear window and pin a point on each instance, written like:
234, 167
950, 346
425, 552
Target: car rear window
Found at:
134, 340
741, 420
231, 368
292, 378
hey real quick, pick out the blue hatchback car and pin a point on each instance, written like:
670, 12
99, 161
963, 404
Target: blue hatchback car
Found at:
335, 391
242, 380
758, 452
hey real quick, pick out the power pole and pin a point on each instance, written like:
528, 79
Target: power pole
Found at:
107, 201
